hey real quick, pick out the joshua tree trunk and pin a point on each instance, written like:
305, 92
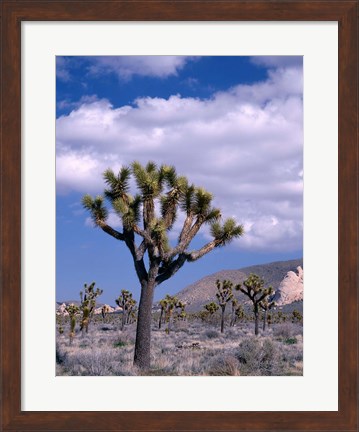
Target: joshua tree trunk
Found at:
169, 322
222, 319
264, 320
256, 320
143, 334
123, 318
233, 318
160, 321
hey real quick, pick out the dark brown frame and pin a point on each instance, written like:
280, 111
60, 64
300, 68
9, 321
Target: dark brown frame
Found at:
345, 12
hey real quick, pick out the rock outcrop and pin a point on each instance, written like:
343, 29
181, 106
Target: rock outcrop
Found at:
291, 288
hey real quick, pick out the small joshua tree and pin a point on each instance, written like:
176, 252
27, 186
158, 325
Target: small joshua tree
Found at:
211, 308
131, 307
168, 305
88, 304
181, 314
126, 302
163, 304
237, 312
266, 305
269, 319
72, 310
224, 295
296, 316
253, 287
104, 311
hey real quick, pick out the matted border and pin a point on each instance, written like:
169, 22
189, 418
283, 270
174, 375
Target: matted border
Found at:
345, 12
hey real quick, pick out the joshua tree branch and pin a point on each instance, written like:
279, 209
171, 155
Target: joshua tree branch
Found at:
140, 252
167, 272
112, 232
186, 236
195, 255
138, 262
142, 233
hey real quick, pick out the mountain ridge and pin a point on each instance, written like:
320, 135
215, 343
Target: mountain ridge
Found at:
197, 294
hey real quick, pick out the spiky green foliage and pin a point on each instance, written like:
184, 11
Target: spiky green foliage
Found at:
226, 232
211, 307
88, 303
253, 288
96, 207
159, 188
119, 185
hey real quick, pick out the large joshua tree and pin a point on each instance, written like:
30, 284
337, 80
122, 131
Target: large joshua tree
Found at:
253, 287
158, 187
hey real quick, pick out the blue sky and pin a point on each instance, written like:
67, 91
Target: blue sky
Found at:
233, 125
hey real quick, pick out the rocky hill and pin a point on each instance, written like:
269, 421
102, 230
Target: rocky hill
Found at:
291, 288
61, 307
204, 291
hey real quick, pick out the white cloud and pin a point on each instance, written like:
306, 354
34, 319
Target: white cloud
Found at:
245, 145
62, 69
127, 66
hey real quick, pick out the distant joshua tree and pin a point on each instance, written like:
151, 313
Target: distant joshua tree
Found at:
266, 305
237, 312
163, 304
162, 187
224, 295
88, 304
104, 311
182, 314
126, 302
131, 312
168, 305
72, 310
296, 316
253, 287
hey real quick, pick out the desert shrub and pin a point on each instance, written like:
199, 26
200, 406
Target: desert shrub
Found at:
211, 334
224, 366
119, 344
92, 362
260, 357
284, 330
61, 355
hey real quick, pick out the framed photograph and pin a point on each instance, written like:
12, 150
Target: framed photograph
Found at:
168, 170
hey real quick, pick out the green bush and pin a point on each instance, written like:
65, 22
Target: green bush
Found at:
290, 341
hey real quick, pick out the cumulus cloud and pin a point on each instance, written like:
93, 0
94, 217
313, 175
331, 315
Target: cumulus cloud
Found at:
127, 66
245, 145
124, 66
62, 68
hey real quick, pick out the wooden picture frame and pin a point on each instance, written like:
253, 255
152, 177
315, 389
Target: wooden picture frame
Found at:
12, 14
